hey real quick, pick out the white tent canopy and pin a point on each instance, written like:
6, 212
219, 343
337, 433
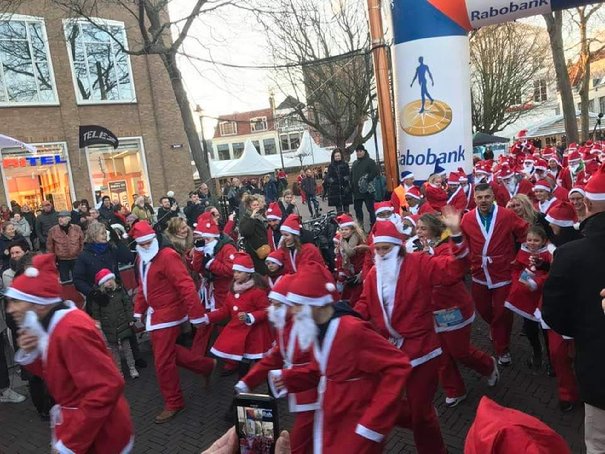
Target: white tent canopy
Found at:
311, 152
9, 142
250, 163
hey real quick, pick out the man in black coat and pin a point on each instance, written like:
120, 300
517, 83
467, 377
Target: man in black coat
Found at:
363, 172
572, 307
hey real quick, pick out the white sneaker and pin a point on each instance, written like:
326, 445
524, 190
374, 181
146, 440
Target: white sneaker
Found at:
8, 396
134, 373
505, 360
451, 402
492, 380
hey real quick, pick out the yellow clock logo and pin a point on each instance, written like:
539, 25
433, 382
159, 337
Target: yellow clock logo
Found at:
417, 120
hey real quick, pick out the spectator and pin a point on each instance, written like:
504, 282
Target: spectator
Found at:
287, 205
234, 196
9, 234
282, 180
194, 208
338, 183
166, 212
271, 189
363, 172
44, 221
65, 241
27, 214
252, 229
309, 187
20, 257
205, 197
140, 211
75, 212
148, 207
106, 212
15, 207
22, 227
5, 213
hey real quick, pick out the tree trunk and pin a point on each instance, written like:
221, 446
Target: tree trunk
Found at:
585, 83
200, 159
554, 23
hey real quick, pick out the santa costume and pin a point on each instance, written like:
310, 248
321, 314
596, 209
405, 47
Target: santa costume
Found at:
359, 383
277, 257
396, 299
423, 206
286, 354
167, 297
511, 185
91, 413
247, 339
300, 253
273, 213
456, 195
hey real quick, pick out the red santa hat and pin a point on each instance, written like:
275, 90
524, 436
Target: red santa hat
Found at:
462, 175
386, 232
314, 285
506, 172
414, 192
277, 256
39, 284
562, 214
206, 226
542, 185
579, 189
381, 207
291, 225
453, 178
274, 212
344, 220
501, 430
595, 188
142, 232
591, 166
413, 219
574, 155
242, 262
103, 276
541, 164
279, 292
572, 146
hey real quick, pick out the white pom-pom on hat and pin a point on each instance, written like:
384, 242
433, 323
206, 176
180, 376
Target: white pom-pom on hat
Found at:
330, 287
170, 194
32, 272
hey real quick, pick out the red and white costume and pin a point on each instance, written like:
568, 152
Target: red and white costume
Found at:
436, 196
91, 413
492, 251
349, 265
295, 258
168, 297
277, 257
273, 213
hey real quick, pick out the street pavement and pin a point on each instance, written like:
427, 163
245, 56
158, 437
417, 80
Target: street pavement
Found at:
202, 422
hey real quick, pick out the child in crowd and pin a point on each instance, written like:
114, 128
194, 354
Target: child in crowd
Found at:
352, 250
275, 264
111, 307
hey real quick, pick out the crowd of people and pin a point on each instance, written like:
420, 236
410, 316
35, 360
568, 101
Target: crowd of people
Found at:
258, 300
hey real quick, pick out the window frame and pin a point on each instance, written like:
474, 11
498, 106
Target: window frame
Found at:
51, 71
541, 90
224, 122
94, 22
262, 119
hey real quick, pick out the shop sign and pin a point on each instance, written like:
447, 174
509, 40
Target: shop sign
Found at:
32, 161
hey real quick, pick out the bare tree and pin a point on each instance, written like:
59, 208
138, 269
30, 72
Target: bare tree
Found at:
504, 80
154, 38
321, 54
554, 26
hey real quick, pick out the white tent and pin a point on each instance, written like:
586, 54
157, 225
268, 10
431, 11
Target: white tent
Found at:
250, 163
9, 142
310, 152
370, 144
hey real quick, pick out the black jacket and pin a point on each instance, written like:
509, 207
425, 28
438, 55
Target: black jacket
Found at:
572, 305
164, 217
254, 233
192, 211
338, 184
364, 166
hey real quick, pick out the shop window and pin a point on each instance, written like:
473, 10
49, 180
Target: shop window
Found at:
120, 174
238, 150
100, 67
269, 145
26, 75
223, 152
31, 178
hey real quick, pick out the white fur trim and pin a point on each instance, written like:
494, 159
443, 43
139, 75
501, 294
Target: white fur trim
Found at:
559, 222
383, 209
368, 433
595, 196
24, 358
310, 301
241, 387
330, 287
346, 224
106, 278
407, 194
388, 239
145, 238
523, 314
285, 228
425, 358
62, 449
279, 297
273, 217
274, 260
538, 187
242, 269
580, 191
30, 271
19, 295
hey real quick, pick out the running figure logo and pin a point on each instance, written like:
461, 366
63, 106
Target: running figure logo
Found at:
419, 119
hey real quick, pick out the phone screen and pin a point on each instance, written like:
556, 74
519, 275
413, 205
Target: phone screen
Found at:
256, 423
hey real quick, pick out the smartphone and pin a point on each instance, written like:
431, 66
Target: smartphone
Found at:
256, 422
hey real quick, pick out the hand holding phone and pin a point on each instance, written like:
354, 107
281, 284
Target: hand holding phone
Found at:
256, 423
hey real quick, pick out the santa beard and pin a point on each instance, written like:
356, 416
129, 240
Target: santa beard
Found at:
388, 265
148, 254
209, 247
510, 185
305, 328
277, 315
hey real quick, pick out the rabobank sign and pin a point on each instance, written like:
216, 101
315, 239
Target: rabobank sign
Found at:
433, 120
481, 12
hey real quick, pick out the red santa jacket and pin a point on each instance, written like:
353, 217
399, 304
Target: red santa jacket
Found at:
453, 306
294, 259
271, 239
435, 196
522, 299
238, 339
410, 325
503, 195
167, 292
285, 354
360, 386
91, 413
493, 250
458, 199
567, 180
217, 274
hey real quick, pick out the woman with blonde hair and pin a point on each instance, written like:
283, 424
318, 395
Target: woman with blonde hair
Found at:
352, 250
179, 235
524, 208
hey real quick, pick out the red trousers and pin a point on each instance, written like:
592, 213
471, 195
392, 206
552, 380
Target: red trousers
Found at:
301, 436
561, 351
457, 347
490, 305
167, 355
417, 410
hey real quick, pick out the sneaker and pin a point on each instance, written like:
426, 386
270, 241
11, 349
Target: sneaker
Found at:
134, 373
505, 360
492, 380
451, 402
8, 396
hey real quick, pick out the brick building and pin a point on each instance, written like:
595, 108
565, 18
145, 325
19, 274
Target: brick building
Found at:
58, 73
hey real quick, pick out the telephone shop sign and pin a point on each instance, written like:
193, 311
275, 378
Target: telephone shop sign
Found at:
32, 161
